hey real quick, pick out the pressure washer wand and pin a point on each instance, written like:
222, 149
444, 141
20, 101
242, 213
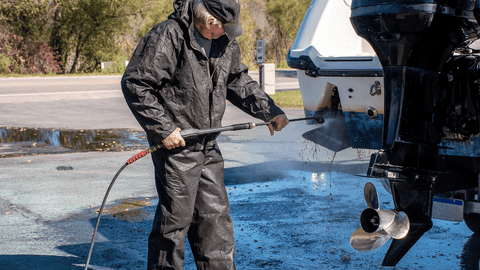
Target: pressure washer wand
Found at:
192, 133
186, 134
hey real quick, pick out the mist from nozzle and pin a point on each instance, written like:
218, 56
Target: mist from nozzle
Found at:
331, 134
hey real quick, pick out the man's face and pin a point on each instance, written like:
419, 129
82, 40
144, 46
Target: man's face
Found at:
213, 33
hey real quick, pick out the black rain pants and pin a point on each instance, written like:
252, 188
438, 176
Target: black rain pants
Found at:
193, 202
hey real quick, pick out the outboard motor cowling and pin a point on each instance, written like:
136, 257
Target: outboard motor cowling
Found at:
429, 97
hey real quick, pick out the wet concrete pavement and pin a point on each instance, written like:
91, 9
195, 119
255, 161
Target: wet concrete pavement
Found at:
294, 204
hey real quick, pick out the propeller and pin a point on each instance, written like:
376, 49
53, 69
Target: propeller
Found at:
371, 196
378, 226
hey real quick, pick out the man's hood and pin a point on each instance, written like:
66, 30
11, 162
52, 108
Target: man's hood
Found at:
183, 12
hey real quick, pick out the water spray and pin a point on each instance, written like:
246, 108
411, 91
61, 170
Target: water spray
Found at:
186, 134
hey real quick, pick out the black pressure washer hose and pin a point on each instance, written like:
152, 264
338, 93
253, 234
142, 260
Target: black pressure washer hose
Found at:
186, 134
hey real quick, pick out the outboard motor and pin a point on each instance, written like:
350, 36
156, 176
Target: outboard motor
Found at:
432, 109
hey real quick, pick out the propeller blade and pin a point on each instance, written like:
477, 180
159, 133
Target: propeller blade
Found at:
364, 242
371, 196
399, 227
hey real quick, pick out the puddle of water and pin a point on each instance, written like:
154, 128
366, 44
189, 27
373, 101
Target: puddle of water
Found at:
133, 209
17, 141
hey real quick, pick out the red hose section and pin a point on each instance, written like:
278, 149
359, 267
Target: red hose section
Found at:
137, 157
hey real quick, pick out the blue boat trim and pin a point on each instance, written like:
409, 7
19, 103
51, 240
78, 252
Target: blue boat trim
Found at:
364, 132
448, 201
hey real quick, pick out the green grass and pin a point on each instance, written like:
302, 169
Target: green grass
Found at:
288, 99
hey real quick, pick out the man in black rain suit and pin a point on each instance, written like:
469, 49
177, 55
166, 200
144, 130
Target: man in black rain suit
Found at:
179, 78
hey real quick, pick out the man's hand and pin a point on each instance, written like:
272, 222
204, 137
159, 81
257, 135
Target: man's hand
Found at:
280, 120
174, 140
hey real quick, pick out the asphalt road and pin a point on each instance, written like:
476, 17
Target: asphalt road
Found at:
35, 89
294, 204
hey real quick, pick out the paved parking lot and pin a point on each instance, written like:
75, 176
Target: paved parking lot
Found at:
294, 204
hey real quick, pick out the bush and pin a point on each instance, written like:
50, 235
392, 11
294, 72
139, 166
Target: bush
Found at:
4, 63
20, 56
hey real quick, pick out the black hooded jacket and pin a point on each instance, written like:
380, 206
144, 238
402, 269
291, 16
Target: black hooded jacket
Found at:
170, 82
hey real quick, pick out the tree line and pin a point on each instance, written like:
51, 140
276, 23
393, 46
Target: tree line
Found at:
75, 36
